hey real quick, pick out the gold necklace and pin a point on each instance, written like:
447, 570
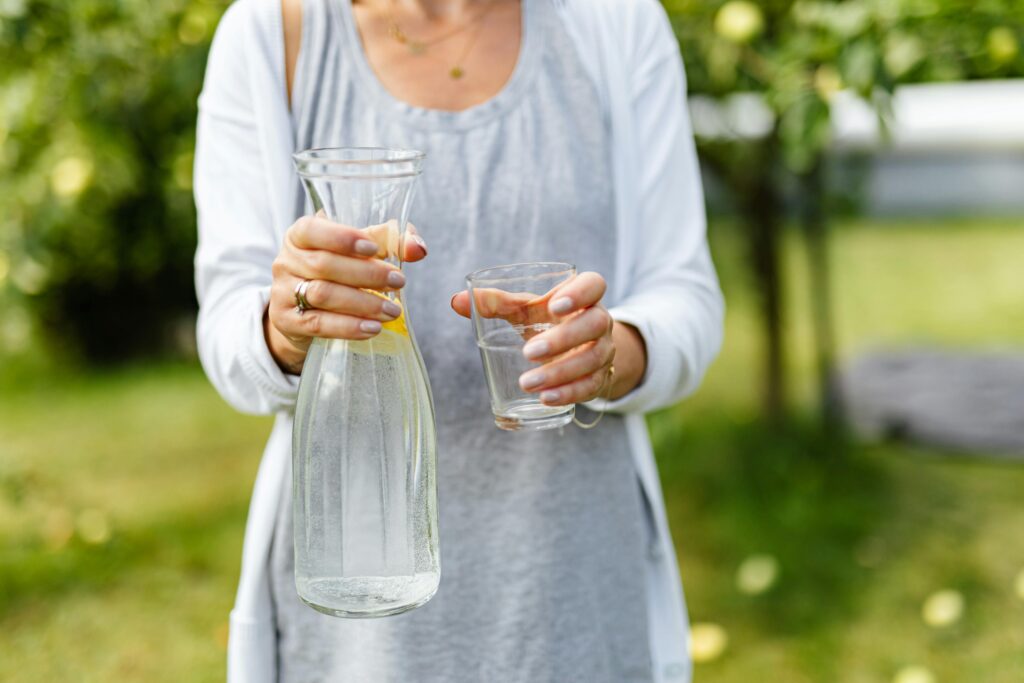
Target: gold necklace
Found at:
419, 47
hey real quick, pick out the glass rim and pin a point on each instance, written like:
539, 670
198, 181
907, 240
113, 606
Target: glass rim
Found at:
390, 160
477, 277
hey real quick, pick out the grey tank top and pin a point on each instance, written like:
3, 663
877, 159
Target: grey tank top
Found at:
542, 534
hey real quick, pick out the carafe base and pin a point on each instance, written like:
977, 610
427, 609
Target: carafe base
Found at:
368, 596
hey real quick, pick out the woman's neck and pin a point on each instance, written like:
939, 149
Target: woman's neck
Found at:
433, 9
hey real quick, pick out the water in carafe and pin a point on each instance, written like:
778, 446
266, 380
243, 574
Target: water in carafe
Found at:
364, 487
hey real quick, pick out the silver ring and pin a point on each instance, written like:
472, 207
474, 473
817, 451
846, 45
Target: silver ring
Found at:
301, 302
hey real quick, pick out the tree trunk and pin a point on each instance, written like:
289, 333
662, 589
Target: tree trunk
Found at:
763, 214
815, 228
753, 181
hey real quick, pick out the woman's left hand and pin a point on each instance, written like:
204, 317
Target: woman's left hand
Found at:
577, 353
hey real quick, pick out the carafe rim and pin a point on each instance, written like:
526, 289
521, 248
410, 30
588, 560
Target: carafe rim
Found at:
364, 163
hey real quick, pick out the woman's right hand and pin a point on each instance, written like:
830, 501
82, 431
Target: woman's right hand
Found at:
340, 262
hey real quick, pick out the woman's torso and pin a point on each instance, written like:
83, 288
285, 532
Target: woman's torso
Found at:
542, 534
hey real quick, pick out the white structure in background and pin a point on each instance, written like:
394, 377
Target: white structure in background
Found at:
954, 148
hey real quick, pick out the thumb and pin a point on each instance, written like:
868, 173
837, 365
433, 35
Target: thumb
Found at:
415, 247
460, 303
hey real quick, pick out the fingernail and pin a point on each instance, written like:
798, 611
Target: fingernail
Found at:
419, 241
391, 309
396, 279
370, 326
366, 247
536, 349
550, 396
531, 379
561, 305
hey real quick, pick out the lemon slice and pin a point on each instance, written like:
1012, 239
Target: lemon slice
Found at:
397, 325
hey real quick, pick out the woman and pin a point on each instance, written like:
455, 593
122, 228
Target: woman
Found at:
554, 130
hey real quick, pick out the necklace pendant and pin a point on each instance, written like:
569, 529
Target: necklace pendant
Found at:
456, 72
416, 48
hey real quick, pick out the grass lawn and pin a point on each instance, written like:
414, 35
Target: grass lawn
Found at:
123, 507
862, 540
123, 498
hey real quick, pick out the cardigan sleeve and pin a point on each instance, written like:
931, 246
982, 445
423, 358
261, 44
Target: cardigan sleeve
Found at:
238, 239
672, 295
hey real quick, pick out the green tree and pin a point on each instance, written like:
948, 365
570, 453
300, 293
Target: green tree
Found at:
794, 56
97, 117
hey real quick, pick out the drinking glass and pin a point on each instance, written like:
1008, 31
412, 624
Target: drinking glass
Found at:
510, 306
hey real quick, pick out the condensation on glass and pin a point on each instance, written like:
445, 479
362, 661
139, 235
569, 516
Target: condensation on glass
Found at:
363, 445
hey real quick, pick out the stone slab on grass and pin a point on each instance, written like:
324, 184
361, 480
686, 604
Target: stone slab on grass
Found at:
967, 401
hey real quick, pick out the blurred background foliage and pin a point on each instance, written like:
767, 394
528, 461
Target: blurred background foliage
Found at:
797, 56
97, 117
806, 557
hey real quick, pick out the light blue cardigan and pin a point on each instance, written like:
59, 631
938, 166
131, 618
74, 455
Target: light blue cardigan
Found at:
245, 190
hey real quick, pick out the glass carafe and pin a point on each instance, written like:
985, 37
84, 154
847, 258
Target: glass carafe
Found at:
363, 444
